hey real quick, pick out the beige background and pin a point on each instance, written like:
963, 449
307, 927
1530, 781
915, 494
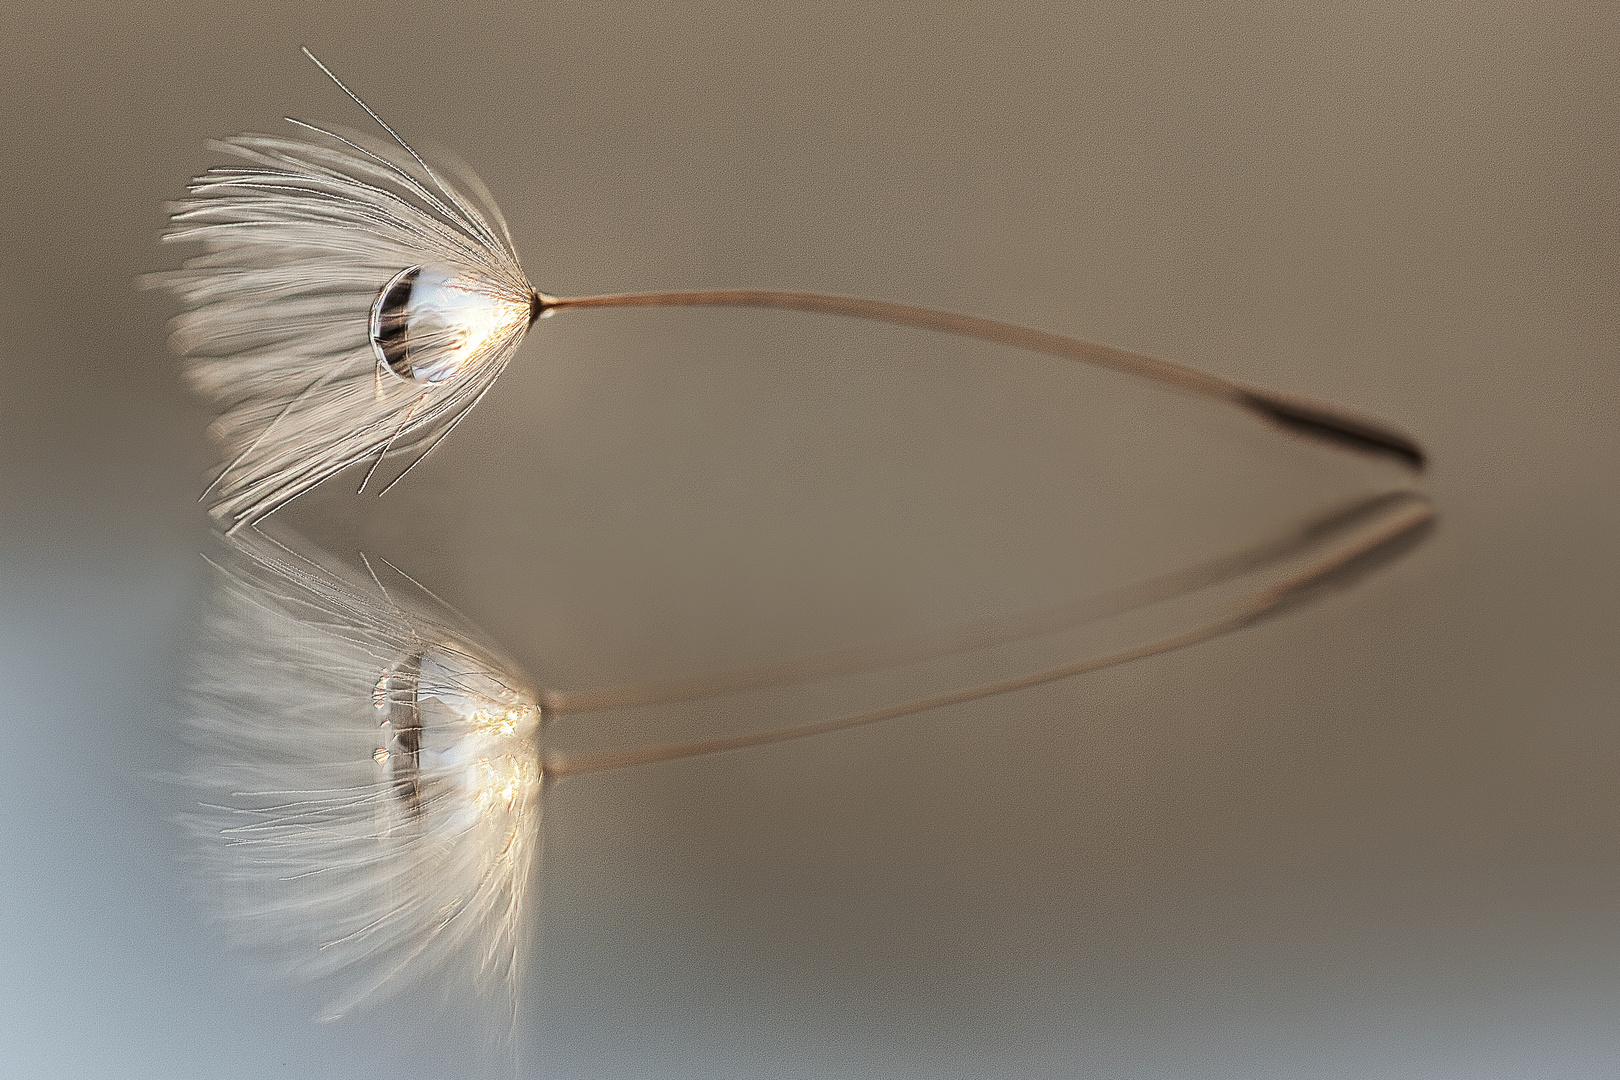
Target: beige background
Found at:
1375, 838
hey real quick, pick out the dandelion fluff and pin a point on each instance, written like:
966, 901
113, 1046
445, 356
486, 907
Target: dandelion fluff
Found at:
349, 302
370, 776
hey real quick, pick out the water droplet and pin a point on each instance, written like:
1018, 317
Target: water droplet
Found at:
429, 326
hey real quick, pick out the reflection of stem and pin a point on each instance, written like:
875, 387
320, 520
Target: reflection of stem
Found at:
1298, 415
1395, 518
985, 632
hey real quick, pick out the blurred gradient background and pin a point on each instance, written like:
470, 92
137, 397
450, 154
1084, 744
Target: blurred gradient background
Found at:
1379, 837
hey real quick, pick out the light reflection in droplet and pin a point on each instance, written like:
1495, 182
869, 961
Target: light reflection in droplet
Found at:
430, 325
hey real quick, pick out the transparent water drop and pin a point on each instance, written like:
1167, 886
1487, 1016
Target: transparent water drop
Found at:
429, 324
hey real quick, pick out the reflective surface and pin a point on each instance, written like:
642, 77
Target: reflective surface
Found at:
1373, 837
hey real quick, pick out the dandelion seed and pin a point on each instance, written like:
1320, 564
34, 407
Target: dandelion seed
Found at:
351, 303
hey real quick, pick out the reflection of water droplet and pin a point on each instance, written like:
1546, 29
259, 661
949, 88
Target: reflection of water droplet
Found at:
477, 749
429, 325
455, 734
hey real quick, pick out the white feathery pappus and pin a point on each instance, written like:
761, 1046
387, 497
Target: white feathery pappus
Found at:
350, 302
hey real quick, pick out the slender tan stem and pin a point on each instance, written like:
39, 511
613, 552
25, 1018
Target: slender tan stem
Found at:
1298, 415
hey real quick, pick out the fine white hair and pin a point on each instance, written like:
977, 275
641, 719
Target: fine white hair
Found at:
299, 238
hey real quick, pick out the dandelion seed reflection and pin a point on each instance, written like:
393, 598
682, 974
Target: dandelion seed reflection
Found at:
372, 767
371, 764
